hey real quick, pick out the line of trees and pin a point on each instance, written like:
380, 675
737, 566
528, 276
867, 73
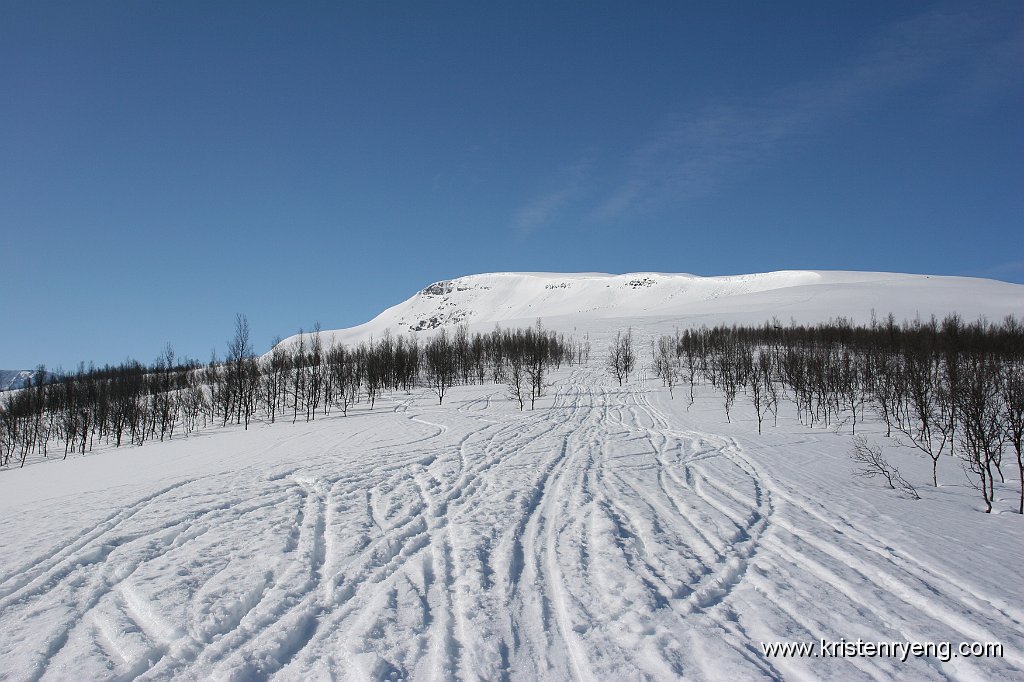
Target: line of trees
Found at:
944, 388
132, 403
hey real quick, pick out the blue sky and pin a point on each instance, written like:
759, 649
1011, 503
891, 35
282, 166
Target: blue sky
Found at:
166, 165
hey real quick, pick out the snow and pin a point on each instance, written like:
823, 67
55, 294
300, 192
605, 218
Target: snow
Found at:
613, 533
11, 379
567, 300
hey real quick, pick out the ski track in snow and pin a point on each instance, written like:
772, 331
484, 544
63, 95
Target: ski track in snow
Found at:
599, 537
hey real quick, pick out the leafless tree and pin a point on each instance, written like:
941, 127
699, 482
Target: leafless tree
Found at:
515, 378
666, 363
315, 363
982, 426
869, 463
441, 365
298, 378
924, 423
621, 356
242, 375
1013, 405
766, 376
756, 390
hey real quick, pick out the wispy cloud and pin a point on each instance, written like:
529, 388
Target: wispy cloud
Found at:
1012, 271
695, 151
566, 187
997, 71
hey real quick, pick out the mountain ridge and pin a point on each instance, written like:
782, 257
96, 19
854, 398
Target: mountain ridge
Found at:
574, 299
11, 379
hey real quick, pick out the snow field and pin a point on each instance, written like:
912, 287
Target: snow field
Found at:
567, 300
610, 534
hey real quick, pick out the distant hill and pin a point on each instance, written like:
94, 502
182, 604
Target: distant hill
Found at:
11, 379
583, 300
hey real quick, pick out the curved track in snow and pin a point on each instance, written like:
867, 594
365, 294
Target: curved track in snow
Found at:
603, 536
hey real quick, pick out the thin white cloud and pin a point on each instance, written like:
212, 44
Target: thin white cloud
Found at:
566, 187
998, 70
694, 152
1012, 270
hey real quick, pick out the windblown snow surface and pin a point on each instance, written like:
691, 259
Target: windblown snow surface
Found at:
610, 534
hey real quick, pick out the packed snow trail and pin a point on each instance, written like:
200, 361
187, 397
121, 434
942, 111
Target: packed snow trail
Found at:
608, 535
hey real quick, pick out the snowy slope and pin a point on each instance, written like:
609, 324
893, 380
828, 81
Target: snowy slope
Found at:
14, 378
612, 534
569, 300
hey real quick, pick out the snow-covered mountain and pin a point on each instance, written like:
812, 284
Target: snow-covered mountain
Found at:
11, 379
566, 301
